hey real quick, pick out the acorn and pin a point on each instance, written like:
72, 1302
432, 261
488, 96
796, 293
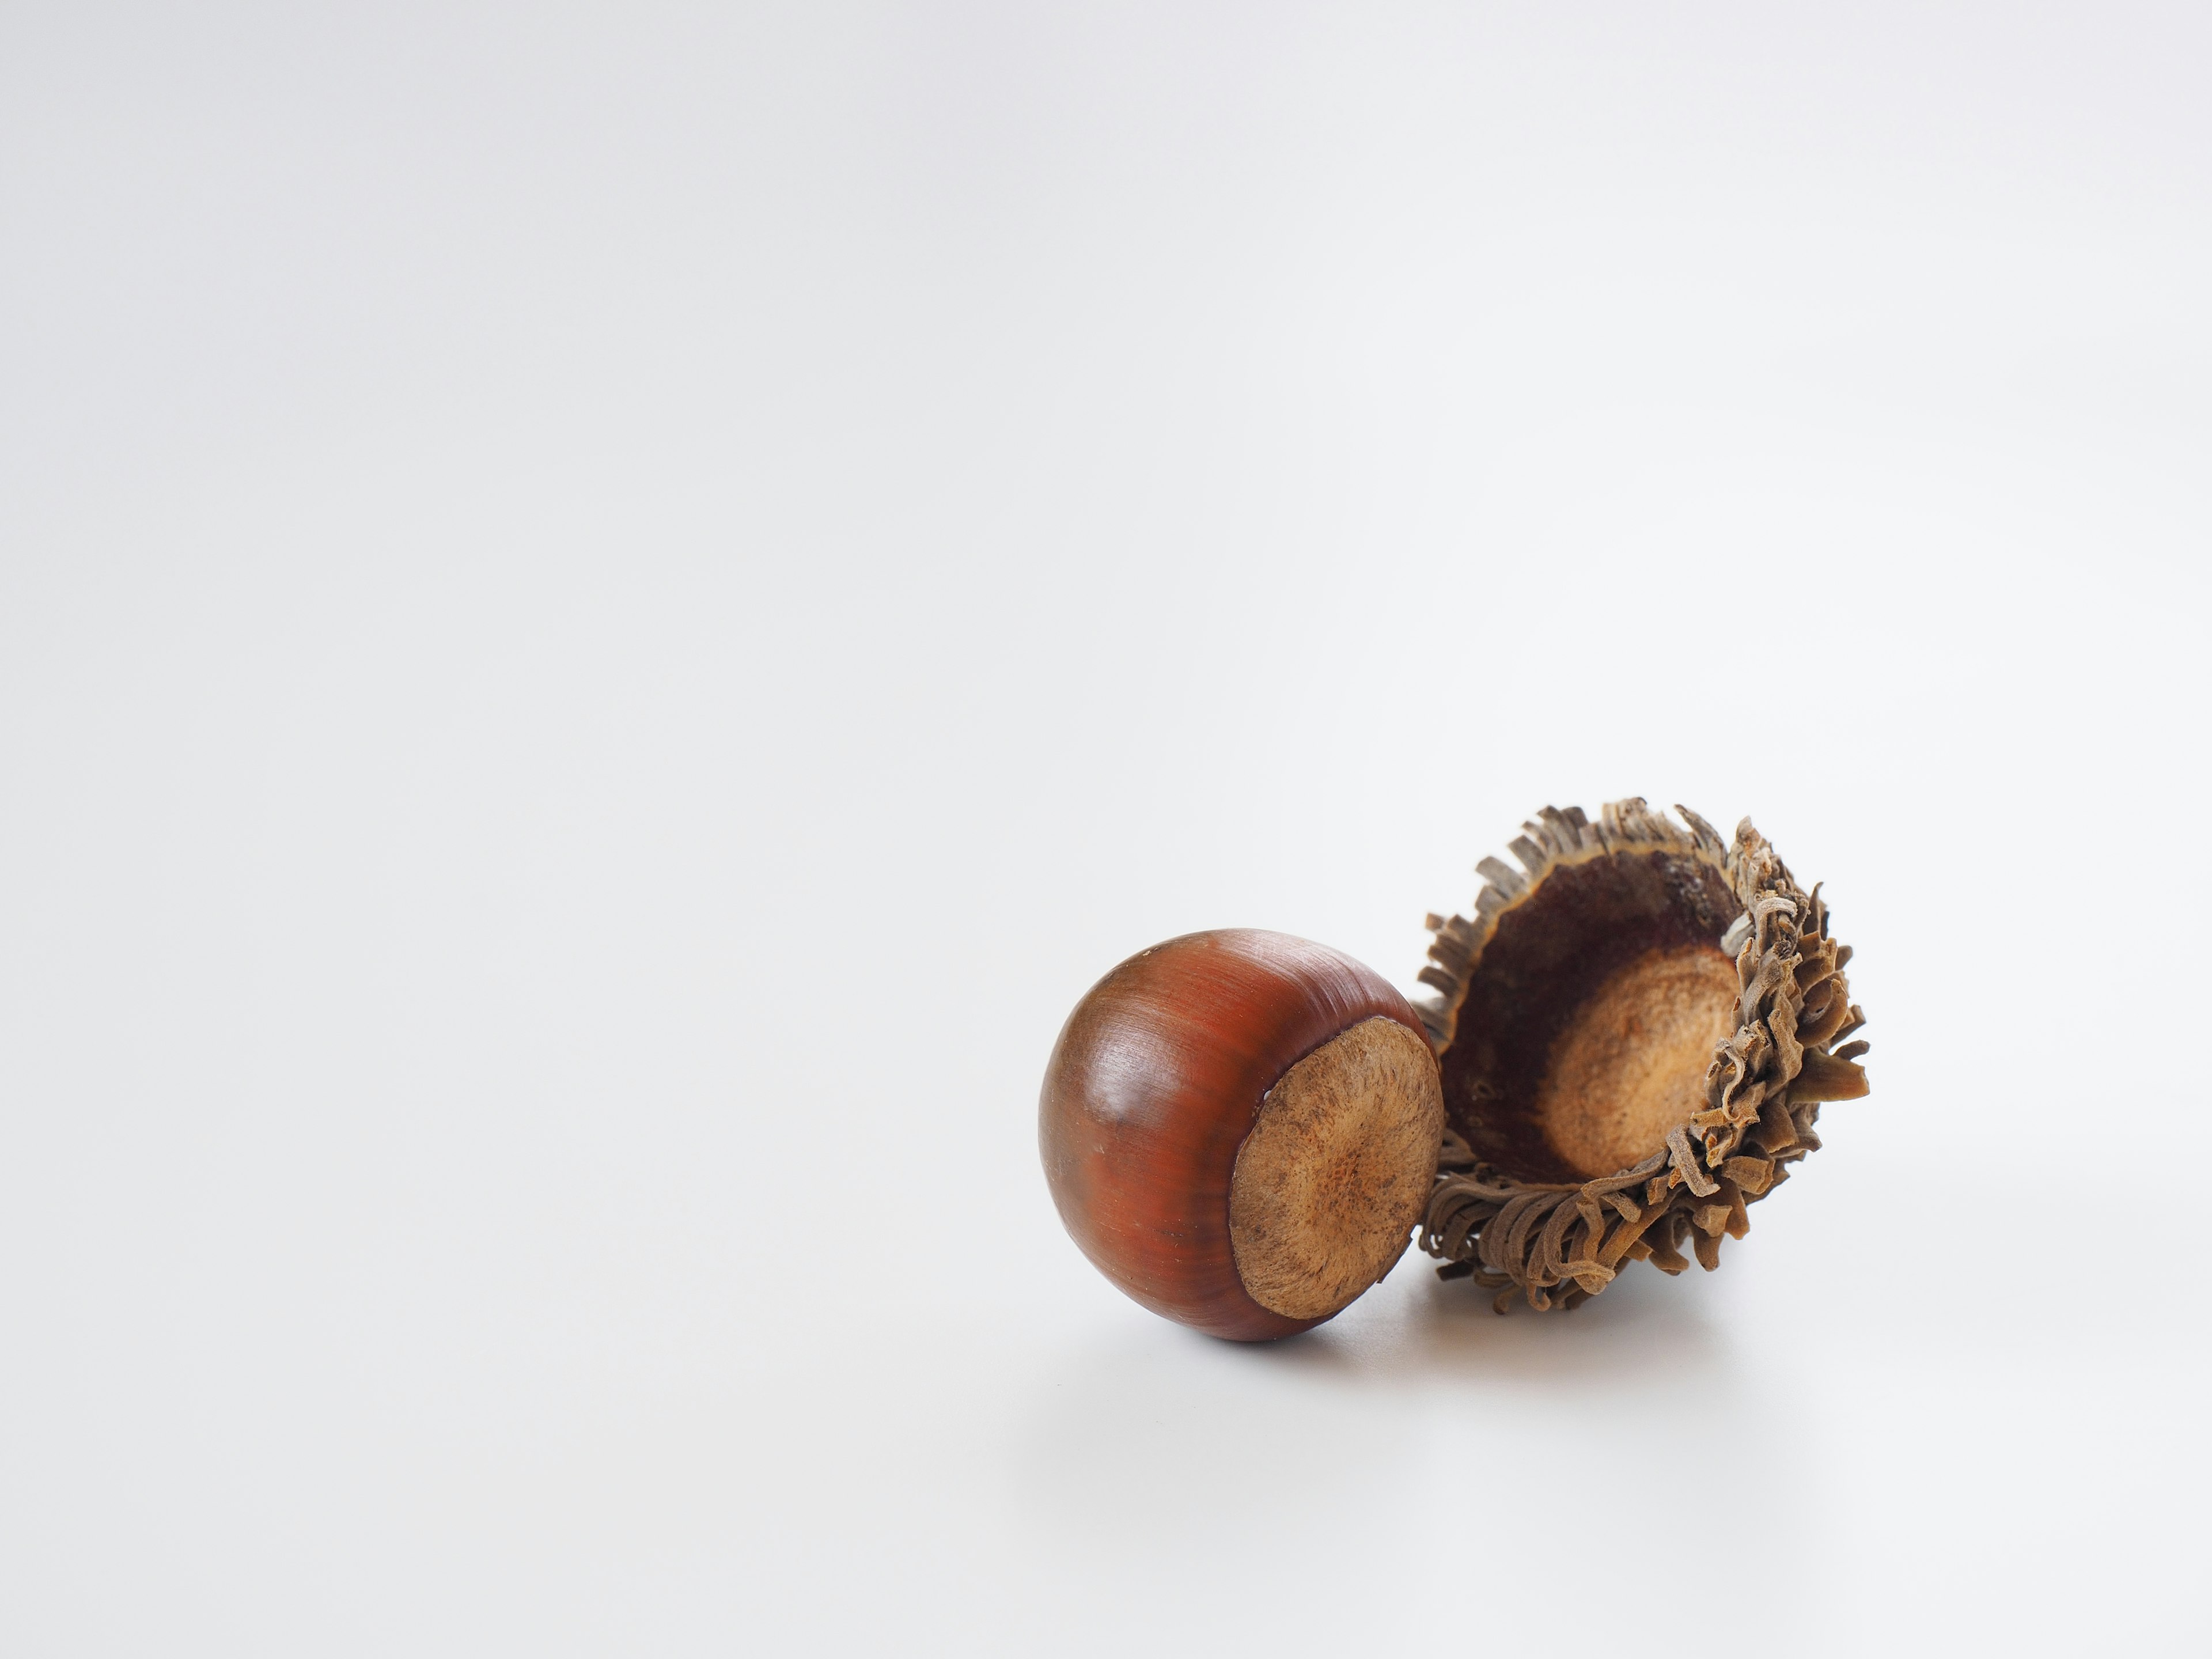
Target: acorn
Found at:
1241, 1130
1635, 1032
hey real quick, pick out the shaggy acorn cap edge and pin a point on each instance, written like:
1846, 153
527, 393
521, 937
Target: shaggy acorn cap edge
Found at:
1682, 903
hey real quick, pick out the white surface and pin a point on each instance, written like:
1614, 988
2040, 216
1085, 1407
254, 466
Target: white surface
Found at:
606, 615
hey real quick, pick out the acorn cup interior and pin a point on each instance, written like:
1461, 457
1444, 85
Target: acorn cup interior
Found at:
1634, 1034
1586, 1037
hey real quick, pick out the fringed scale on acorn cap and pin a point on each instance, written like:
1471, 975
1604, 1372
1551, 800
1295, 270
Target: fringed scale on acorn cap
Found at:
1635, 1036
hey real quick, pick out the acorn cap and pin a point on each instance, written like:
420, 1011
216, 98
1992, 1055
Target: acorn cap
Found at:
1635, 1034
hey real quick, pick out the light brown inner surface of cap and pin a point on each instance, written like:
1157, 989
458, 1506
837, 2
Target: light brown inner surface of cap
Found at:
1629, 1064
1336, 1170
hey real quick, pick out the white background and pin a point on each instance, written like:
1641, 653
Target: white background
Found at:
606, 615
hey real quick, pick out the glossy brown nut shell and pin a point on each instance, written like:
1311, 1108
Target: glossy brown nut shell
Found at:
1157, 1078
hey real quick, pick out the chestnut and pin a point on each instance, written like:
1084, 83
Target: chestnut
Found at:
1241, 1129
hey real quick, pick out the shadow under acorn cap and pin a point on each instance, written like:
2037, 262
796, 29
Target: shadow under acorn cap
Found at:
1641, 996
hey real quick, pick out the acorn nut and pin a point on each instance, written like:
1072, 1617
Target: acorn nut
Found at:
1241, 1130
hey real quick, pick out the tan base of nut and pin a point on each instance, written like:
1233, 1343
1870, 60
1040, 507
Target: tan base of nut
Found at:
1631, 1063
1336, 1171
